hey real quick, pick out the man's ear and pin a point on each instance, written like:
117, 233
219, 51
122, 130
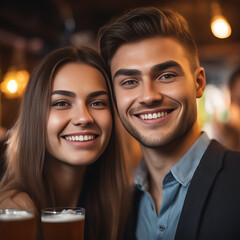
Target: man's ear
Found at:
200, 80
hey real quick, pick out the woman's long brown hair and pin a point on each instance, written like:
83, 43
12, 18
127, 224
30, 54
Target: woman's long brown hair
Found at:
27, 157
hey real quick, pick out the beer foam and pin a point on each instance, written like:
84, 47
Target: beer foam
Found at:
64, 216
13, 215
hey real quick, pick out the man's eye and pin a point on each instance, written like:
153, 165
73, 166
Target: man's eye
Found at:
166, 76
129, 82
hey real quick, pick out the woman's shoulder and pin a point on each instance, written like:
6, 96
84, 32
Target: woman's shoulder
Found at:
13, 199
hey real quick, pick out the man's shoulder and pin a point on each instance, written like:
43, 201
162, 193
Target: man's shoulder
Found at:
227, 154
219, 159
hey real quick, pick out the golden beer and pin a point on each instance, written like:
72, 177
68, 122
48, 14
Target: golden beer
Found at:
17, 225
63, 224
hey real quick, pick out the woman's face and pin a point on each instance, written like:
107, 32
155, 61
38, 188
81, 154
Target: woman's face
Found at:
79, 123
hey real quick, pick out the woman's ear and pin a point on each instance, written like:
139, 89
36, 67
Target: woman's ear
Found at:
200, 80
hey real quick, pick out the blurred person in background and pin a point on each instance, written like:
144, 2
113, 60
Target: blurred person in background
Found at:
229, 133
187, 185
65, 150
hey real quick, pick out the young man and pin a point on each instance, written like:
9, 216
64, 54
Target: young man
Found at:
188, 187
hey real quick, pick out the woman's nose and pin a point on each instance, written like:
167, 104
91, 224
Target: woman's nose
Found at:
81, 116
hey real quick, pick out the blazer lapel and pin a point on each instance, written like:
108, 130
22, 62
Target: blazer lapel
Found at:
199, 188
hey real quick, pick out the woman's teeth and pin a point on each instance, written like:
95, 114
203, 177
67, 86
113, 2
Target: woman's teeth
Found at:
80, 138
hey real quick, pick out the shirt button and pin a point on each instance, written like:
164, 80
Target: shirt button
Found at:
162, 228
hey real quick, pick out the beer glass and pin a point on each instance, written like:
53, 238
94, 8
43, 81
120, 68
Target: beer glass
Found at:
63, 223
17, 224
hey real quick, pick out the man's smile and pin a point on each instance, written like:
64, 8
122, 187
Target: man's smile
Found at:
154, 115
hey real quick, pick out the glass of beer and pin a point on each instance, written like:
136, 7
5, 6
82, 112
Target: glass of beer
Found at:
63, 223
17, 224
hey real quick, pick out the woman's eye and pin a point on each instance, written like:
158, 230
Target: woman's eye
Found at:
60, 104
98, 104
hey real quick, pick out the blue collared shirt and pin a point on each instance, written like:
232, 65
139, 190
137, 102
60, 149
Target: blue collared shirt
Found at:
174, 189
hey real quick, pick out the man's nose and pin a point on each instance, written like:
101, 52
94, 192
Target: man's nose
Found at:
150, 92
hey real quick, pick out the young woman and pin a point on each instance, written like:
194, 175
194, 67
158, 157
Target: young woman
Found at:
64, 149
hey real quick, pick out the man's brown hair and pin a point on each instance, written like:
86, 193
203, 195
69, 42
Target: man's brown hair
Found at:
142, 23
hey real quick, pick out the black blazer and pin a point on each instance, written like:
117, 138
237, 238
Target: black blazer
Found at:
211, 209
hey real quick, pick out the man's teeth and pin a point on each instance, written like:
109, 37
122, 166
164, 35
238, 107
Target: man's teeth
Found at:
80, 138
152, 115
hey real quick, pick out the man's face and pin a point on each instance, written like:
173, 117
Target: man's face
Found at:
156, 90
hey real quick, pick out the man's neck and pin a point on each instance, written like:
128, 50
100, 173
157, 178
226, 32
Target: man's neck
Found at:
160, 160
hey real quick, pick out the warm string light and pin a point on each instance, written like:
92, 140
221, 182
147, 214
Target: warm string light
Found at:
220, 27
219, 24
12, 86
14, 83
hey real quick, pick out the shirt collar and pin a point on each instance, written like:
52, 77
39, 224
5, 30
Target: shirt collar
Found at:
142, 174
183, 170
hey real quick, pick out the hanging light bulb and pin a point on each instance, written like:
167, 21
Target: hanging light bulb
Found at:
12, 86
14, 83
219, 24
220, 27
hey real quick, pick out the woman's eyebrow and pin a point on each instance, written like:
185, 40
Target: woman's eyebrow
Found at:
97, 93
72, 94
64, 92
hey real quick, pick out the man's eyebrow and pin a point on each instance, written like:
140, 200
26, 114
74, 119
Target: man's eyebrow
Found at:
126, 72
64, 92
158, 67
166, 65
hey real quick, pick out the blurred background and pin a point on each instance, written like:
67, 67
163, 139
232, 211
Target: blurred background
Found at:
31, 29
